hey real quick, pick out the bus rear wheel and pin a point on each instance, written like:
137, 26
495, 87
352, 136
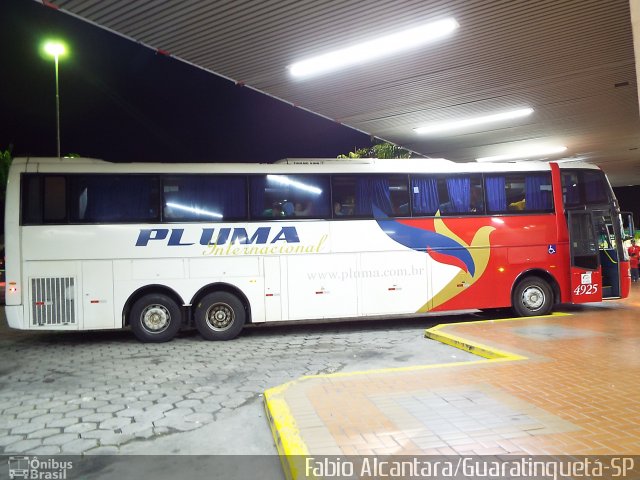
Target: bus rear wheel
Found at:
220, 316
155, 318
532, 296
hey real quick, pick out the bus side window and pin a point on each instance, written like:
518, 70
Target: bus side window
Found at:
399, 192
368, 196
372, 196
570, 188
286, 196
344, 195
113, 198
515, 194
518, 193
55, 199
461, 194
44, 199
537, 192
31, 199
595, 187
189, 198
424, 191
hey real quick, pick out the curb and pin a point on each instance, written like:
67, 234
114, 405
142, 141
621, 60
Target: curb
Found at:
286, 434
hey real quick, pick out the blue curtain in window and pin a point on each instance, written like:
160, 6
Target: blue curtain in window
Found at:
205, 198
496, 194
372, 191
459, 189
535, 197
118, 198
183, 197
233, 194
425, 195
258, 186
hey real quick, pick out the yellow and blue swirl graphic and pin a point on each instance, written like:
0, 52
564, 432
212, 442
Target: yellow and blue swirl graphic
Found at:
443, 246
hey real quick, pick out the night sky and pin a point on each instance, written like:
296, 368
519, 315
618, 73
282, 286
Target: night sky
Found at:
121, 101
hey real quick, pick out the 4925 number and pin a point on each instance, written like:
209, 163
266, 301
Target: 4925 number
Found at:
586, 289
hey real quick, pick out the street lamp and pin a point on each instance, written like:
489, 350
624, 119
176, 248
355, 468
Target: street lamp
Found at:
56, 49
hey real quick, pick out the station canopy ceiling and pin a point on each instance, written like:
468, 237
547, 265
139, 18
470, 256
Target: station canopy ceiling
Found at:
571, 61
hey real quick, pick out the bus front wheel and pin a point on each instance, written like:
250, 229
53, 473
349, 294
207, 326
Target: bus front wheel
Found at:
532, 296
155, 318
220, 316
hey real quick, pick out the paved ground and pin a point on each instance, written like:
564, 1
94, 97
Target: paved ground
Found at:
106, 393
554, 385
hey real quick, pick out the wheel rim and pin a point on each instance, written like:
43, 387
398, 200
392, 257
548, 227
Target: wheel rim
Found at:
533, 298
155, 318
220, 317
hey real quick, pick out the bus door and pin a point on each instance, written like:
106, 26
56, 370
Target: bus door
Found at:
586, 277
609, 252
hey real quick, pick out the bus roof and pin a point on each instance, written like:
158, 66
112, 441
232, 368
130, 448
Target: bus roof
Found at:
312, 165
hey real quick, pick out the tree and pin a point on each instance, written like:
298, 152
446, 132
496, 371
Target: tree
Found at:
379, 150
5, 163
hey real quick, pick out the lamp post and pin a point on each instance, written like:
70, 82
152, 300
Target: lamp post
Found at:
56, 49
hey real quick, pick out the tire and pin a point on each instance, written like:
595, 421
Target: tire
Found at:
532, 297
220, 316
155, 318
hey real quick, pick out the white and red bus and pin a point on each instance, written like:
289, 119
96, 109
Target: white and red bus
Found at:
98, 245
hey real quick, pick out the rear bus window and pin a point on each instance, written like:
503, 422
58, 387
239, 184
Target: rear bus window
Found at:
44, 199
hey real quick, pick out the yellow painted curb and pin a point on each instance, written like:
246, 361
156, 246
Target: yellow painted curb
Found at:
477, 348
285, 432
292, 449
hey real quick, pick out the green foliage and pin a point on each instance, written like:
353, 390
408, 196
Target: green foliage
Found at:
5, 163
379, 150
359, 153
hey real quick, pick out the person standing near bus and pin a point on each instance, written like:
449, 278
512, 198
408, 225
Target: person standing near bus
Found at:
634, 253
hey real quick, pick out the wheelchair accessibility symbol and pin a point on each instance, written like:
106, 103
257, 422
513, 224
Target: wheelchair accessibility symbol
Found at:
551, 249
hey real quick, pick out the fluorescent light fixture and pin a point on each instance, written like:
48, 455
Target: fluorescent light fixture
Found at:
367, 51
197, 211
528, 153
470, 122
284, 180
